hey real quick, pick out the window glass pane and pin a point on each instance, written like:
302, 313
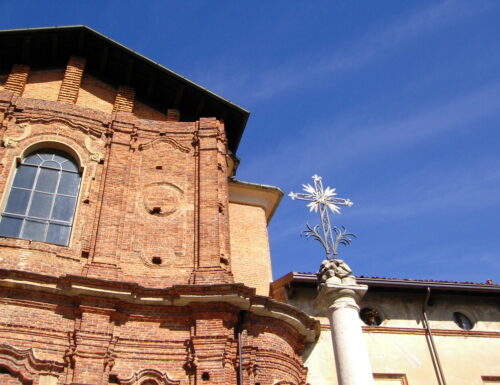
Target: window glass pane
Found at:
69, 183
34, 230
46, 155
33, 196
70, 166
18, 201
40, 205
51, 164
25, 176
10, 227
47, 180
32, 159
58, 234
64, 208
60, 157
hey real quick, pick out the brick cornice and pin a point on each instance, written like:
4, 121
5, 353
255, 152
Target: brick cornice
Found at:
116, 294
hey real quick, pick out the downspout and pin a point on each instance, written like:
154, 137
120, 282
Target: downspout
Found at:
238, 330
434, 352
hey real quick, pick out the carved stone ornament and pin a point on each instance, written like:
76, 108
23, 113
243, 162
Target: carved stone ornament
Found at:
11, 142
95, 156
335, 271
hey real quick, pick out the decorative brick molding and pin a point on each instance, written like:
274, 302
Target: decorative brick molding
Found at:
72, 80
24, 365
144, 375
16, 81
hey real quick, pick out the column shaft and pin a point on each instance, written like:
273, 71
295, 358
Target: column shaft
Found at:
351, 356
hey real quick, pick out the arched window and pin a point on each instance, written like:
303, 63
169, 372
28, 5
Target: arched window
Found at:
42, 199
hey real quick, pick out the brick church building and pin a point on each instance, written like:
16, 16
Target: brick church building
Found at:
129, 254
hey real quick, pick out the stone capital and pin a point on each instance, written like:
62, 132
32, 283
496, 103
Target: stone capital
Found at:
335, 296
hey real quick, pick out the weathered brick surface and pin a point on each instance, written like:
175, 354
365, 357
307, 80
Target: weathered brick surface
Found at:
151, 226
250, 255
44, 84
96, 94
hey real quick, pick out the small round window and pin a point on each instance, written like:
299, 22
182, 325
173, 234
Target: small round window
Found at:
463, 321
370, 316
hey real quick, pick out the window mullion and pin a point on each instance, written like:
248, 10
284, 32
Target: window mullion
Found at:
25, 216
59, 177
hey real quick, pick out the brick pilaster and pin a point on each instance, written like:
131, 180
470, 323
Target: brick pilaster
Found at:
17, 79
113, 198
212, 195
92, 338
72, 80
124, 101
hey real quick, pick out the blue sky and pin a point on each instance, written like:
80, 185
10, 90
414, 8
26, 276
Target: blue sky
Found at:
396, 104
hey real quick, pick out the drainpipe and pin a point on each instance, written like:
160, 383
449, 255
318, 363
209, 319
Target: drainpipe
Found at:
238, 330
434, 353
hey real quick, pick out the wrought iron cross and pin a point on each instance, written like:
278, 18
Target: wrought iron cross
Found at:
322, 200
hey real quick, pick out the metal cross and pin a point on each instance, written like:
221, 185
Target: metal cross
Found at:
322, 200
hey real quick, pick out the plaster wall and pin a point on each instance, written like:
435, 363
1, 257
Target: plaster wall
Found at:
399, 346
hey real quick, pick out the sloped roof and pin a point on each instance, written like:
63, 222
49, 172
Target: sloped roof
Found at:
112, 62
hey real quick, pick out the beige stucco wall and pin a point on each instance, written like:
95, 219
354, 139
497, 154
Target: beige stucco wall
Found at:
250, 255
400, 346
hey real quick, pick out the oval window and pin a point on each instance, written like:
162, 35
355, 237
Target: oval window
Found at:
462, 321
370, 316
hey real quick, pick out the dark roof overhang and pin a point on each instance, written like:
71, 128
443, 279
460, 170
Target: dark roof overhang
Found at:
110, 61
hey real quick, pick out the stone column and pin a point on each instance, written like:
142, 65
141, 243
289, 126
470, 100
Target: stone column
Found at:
340, 298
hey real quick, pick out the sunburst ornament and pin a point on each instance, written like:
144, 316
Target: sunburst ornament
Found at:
322, 200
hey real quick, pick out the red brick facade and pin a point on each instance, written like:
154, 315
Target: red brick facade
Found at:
143, 294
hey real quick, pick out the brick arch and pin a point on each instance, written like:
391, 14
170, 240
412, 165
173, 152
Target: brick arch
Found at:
148, 377
23, 365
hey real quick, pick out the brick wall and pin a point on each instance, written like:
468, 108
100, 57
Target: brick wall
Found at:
152, 219
141, 187
251, 261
